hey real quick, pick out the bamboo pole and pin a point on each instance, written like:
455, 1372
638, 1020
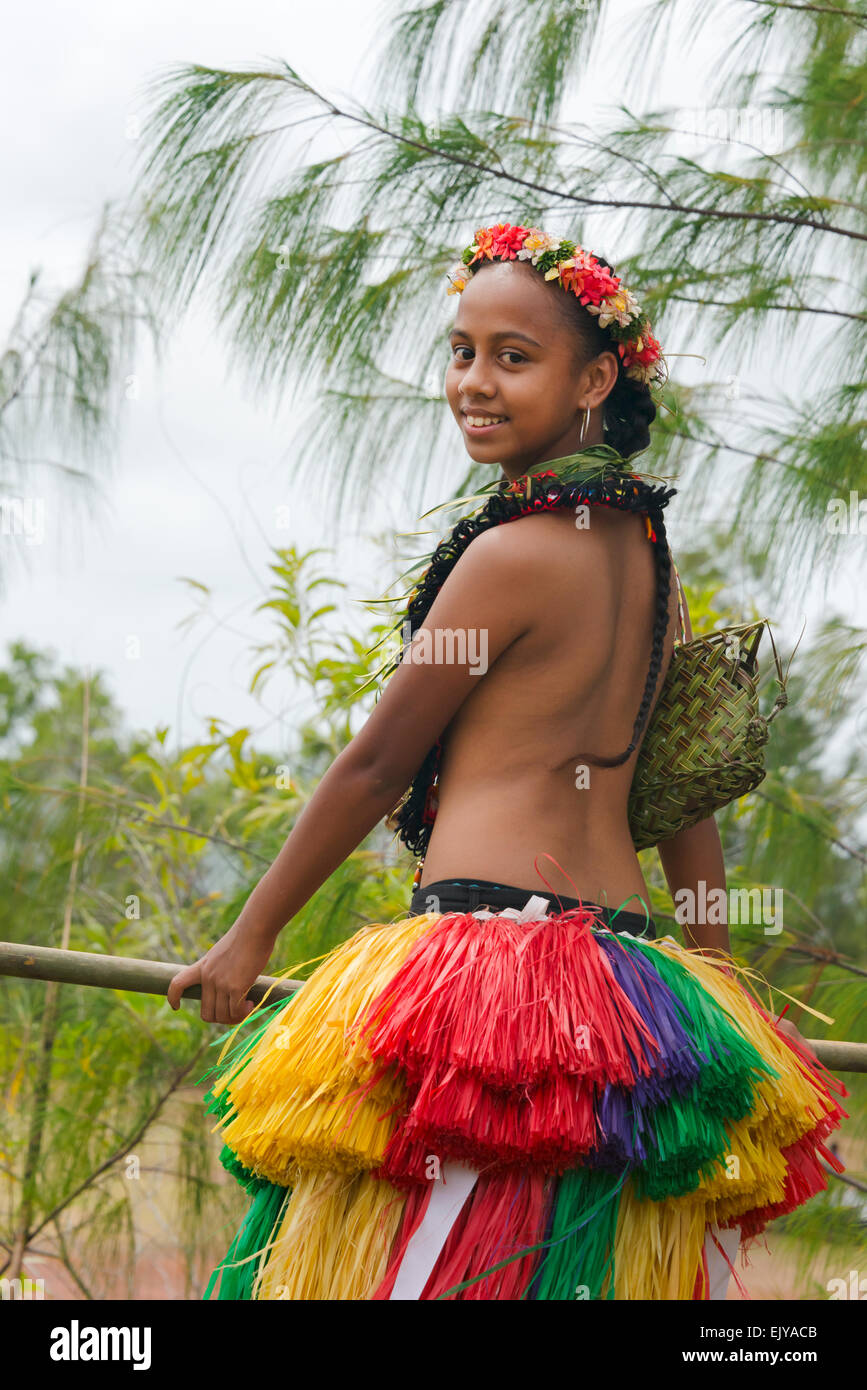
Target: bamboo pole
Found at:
114, 972
154, 976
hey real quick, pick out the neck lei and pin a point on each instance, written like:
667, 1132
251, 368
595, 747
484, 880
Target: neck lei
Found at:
588, 463
596, 476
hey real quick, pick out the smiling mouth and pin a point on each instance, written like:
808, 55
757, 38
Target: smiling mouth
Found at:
480, 424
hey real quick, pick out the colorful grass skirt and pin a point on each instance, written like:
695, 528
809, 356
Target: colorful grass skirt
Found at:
509, 1106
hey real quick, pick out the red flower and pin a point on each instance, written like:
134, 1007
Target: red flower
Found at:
507, 240
588, 280
649, 353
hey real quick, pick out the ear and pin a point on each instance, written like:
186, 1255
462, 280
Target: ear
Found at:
599, 378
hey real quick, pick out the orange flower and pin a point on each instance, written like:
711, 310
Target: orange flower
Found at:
483, 243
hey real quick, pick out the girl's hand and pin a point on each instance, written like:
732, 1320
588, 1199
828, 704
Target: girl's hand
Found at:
792, 1032
225, 973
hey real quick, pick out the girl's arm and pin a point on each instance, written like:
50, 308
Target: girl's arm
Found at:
693, 861
693, 858
490, 591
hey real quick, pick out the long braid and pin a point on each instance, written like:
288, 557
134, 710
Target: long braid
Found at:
662, 561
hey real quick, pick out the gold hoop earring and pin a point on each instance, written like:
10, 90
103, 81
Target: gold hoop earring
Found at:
584, 424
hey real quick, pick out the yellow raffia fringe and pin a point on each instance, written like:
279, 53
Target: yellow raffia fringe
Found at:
786, 1107
657, 1248
768, 1188
296, 1096
757, 1179
334, 1240
297, 1099
340, 1131
723, 959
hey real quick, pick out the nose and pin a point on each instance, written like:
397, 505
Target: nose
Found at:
475, 385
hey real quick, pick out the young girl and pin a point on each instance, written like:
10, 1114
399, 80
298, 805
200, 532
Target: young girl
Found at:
512, 1093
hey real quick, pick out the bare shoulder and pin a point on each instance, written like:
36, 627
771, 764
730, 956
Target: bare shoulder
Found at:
543, 542
528, 540
549, 552
500, 550
516, 550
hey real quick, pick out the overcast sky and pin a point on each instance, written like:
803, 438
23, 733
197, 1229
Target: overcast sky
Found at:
202, 469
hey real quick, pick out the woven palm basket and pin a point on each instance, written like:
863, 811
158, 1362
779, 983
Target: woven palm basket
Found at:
704, 746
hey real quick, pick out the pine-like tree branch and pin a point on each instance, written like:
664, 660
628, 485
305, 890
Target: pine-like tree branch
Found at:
811, 9
582, 200
786, 308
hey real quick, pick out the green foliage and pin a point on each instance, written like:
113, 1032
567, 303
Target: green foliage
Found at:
64, 369
172, 841
728, 243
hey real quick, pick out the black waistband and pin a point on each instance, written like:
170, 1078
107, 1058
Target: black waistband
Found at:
466, 894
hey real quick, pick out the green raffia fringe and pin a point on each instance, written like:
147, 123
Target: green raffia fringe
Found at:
240, 1265
221, 1104
238, 1269
687, 1139
580, 1249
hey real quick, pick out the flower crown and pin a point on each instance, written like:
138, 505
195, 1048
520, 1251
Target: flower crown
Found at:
600, 292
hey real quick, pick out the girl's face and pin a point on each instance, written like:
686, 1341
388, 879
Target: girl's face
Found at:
513, 357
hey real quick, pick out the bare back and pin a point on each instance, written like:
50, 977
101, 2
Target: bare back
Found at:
511, 787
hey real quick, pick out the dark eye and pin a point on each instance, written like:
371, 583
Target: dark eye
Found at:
509, 352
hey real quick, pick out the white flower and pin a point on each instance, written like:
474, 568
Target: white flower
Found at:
536, 243
621, 306
651, 373
459, 275
641, 371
